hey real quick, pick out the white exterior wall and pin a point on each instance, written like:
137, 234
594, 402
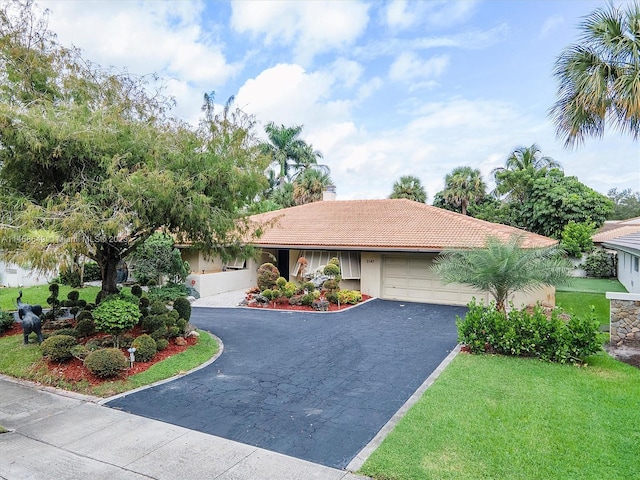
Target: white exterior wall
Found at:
12, 275
627, 274
370, 273
197, 262
208, 284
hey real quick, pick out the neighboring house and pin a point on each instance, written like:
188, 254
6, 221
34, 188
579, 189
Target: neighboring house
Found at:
628, 252
616, 228
386, 248
12, 275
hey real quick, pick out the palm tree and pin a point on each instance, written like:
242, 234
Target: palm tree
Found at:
521, 167
463, 186
600, 77
288, 151
309, 185
502, 268
409, 187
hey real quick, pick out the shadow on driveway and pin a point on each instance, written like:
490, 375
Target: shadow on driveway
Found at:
311, 385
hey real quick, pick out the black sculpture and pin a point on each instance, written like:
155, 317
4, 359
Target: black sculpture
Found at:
29, 316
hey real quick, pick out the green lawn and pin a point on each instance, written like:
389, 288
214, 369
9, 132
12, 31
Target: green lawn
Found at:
583, 293
593, 285
25, 361
38, 295
512, 418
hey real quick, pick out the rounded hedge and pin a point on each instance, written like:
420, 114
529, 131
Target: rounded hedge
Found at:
145, 347
85, 327
268, 273
162, 344
58, 347
106, 362
183, 307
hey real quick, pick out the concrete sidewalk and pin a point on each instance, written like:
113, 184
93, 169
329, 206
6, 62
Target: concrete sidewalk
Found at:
65, 436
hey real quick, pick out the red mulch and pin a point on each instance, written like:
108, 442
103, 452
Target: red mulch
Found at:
73, 370
304, 308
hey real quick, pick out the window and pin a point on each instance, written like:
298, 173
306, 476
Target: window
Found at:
236, 264
349, 262
636, 262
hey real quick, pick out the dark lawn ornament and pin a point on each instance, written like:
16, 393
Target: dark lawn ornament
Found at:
29, 316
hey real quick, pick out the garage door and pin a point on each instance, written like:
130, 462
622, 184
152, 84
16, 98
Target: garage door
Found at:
411, 278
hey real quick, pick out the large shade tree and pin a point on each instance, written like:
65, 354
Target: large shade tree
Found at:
599, 76
409, 187
91, 163
502, 268
462, 187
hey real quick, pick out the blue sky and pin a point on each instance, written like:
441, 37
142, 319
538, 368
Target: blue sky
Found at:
383, 89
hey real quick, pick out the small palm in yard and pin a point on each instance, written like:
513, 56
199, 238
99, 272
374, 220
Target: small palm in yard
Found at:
502, 268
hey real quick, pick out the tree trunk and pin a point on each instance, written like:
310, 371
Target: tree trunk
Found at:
108, 257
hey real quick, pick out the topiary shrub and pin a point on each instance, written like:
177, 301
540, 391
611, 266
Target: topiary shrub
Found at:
73, 295
115, 316
281, 282
85, 314
173, 332
6, 321
136, 290
145, 348
72, 332
85, 327
162, 344
160, 332
183, 307
267, 276
80, 352
289, 289
153, 323
158, 307
308, 286
106, 363
350, 297
58, 347
181, 325
600, 264
82, 303
332, 270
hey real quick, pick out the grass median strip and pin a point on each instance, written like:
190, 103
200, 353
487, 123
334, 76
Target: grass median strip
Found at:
504, 417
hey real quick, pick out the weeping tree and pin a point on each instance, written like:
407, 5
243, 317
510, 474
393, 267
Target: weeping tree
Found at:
91, 162
503, 268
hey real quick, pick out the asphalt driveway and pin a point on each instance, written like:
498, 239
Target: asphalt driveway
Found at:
311, 385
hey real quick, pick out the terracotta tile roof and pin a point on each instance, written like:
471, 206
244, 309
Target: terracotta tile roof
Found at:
616, 228
387, 224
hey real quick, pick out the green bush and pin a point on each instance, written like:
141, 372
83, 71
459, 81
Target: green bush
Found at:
270, 294
267, 276
528, 334
173, 332
308, 286
115, 316
107, 362
183, 307
125, 340
153, 323
576, 237
6, 321
85, 327
145, 348
332, 270
74, 296
136, 290
158, 307
281, 282
600, 264
351, 297
85, 314
92, 272
181, 324
160, 332
289, 289
80, 351
72, 332
162, 344
331, 285
58, 347
168, 292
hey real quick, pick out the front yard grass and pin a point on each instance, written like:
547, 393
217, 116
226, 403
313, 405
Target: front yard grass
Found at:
516, 418
25, 361
583, 293
38, 295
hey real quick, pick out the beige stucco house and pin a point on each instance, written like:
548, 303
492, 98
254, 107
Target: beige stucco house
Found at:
386, 249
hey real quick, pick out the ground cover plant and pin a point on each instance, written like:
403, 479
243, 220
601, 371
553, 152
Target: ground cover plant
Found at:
504, 417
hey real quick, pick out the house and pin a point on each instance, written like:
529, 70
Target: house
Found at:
12, 275
616, 228
627, 248
385, 247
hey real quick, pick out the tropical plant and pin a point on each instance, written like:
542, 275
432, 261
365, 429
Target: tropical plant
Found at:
409, 187
114, 316
576, 237
599, 77
626, 204
503, 268
463, 186
309, 185
522, 167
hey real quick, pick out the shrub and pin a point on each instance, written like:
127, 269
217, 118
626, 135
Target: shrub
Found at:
92, 272
80, 352
157, 307
107, 362
181, 324
308, 299
296, 300
125, 340
74, 296
267, 276
183, 307
281, 282
93, 344
600, 264
331, 296
145, 348
270, 294
162, 344
58, 347
350, 297
85, 314
334, 261
6, 321
173, 332
70, 276
529, 334
153, 322
289, 289
160, 332
85, 327
331, 285
115, 316
308, 286
72, 332
168, 292
332, 270
136, 290
82, 303
576, 237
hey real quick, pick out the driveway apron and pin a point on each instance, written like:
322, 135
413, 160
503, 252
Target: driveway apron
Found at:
315, 386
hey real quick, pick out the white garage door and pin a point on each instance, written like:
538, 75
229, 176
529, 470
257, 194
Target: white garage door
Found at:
411, 278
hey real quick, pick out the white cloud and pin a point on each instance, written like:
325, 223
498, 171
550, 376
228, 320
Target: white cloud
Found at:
408, 66
550, 24
309, 27
402, 15
397, 15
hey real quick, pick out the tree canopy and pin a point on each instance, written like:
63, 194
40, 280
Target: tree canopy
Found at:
626, 204
92, 163
599, 77
463, 186
409, 187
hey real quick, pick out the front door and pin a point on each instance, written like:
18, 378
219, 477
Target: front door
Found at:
283, 263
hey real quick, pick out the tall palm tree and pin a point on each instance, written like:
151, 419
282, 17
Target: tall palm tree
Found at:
599, 77
520, 169
309, 185
502, 268
409, 187
463, 186
288, 152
